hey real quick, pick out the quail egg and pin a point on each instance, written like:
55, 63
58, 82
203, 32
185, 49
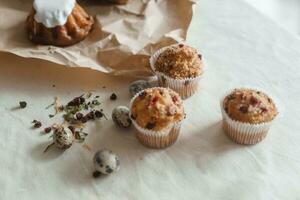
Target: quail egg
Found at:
106, 162
138, 86
63, 137
120, 116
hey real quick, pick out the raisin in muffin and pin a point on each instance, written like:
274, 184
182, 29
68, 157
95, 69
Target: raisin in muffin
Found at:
157, 113
178, 67
247, 115
58, 23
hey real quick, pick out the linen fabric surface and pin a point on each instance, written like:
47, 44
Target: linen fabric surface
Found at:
241, 48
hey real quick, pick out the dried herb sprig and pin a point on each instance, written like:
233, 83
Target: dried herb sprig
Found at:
76, 113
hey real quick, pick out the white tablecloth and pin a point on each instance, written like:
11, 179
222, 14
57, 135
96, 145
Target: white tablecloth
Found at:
241, 47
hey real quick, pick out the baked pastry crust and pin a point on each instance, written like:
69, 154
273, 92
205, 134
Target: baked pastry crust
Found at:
250, 106
157, 108
180, 62
77, 27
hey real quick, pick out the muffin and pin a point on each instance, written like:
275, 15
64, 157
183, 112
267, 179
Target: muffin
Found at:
58, 23
178, 67
157, 114
247, 115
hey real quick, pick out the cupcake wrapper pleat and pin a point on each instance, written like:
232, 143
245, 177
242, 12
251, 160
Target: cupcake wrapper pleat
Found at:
250, 137
185, 89
159, 141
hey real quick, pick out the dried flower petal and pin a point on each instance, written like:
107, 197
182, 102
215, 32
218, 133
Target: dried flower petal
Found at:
23, 104
113, 96
37, 124
98, 114
47, 130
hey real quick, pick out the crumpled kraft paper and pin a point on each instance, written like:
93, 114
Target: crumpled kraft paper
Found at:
122, 39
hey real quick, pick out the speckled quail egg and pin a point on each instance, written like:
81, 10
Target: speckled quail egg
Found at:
138, 86
120, 116
106, 162
63, 137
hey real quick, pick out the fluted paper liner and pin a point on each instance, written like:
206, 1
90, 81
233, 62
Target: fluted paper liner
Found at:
156, 139
184, 87
241, 132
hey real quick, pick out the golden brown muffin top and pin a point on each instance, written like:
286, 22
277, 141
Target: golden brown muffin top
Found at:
247, 105
180, 62
157, 108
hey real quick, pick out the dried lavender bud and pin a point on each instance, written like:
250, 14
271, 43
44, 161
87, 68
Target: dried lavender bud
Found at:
84, 120
47, 130
79, 116
81, 100
180, 45
37, 124
150, 125
76, 101
113, 97
23, 104
90, 115
200, 56
98, 114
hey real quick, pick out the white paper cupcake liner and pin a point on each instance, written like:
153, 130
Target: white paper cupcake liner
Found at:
184, 87
241, 132
156, 139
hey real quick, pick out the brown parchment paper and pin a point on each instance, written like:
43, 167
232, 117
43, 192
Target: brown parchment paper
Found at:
121, 41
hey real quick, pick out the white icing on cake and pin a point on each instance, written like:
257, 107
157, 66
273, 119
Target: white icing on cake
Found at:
52, 13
